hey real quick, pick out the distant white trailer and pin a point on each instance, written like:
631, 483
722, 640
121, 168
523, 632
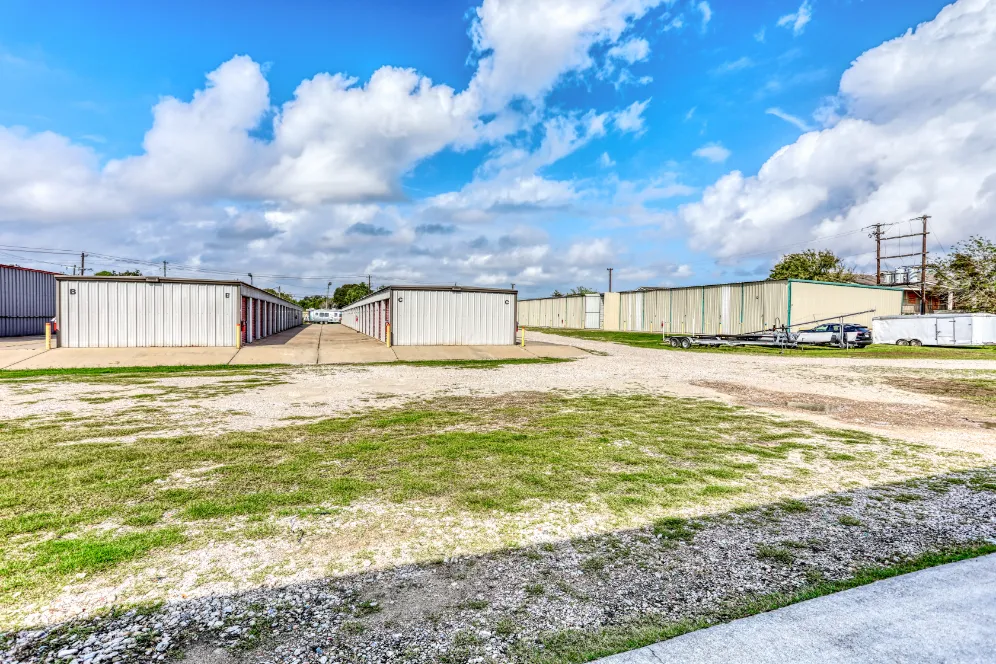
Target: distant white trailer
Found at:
325, 316
935, 330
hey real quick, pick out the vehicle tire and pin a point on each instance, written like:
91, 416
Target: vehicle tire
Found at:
674, 342
915, 342
686, 343
902, 342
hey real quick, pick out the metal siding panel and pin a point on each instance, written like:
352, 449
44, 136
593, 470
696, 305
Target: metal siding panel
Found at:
818, 301
27, 301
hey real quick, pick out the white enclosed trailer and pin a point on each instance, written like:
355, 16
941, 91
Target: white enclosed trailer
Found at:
935, 330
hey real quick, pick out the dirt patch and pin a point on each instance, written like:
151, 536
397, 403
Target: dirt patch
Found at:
979, 394
854, 411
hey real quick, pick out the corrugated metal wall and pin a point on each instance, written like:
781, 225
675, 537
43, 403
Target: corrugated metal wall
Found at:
451, 318
27, 301
722, 309
816, 301
110, 314
568, 312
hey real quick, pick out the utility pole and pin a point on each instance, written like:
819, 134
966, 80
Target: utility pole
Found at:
923, 267
610, 277
82, 263
513, 285
250, 278
327, 289
877, 234
922, 254
164, 268
369, 282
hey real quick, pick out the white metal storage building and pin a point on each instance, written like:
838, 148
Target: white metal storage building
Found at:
570, 311
752, 306
27, 300
115, 312
435, 316
737, 308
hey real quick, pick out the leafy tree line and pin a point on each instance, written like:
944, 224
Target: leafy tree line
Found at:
969, 272
812, 265
580, 290
343, 296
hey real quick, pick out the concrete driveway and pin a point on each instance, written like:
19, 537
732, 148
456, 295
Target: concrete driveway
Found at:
941, 614
309, 344
18, 349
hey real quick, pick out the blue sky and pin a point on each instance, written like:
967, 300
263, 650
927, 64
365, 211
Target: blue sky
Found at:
597, 133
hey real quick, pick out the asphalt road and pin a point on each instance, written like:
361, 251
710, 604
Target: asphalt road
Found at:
942, 614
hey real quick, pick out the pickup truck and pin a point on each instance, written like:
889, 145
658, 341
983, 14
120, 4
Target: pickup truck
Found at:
857, 336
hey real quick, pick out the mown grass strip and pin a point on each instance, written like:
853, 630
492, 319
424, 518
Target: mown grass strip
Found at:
574, 646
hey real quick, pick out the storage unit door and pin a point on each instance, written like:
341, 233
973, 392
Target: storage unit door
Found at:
592, 311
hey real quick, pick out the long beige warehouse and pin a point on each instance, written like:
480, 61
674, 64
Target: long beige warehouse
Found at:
436, 316
118, 312
735, 308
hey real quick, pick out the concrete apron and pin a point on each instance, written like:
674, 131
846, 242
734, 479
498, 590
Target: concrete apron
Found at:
309, 344
85, 358
295, 346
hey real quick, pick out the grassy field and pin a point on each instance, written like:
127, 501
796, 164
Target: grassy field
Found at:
875, 351
83, 494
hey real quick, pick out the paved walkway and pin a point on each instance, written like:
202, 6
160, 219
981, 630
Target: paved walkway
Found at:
309, 344
942, 614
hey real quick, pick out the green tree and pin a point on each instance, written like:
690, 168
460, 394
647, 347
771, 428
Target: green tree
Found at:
812, 265
313, 302
112, 273
557, 293
283, 296
969, 272
581, 290
348, 293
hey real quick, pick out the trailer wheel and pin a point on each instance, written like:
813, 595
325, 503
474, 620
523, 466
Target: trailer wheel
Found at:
902, 342
686, 343
674, 342
915, 342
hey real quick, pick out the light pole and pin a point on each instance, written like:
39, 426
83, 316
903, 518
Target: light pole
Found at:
610, 277
250, 278
328, 287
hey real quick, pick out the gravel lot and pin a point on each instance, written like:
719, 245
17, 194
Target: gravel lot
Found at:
489, 607
501, 607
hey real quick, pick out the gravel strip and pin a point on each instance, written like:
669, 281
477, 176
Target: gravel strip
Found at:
493, 608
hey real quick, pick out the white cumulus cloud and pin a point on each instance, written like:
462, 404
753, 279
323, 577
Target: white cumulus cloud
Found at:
714, 152
916, 134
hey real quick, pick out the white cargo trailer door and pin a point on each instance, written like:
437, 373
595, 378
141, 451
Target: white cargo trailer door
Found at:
592, 311
945, 331
954, 331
